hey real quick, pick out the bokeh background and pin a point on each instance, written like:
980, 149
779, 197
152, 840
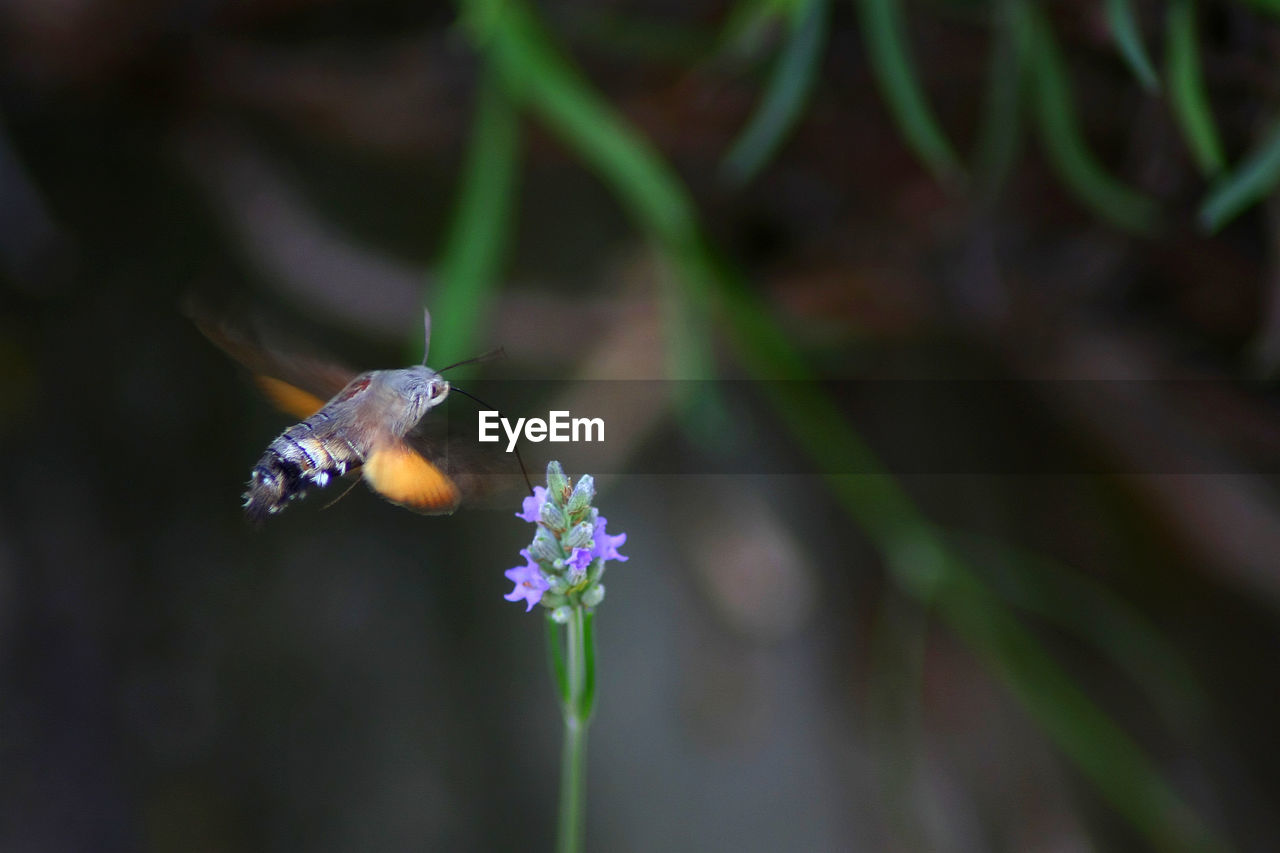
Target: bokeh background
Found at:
758, 206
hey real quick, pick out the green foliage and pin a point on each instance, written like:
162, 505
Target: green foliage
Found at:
885, 34
786, 94
1190, 100
1060, 131
1001, 130
476, 244
1246, 185
1124, 29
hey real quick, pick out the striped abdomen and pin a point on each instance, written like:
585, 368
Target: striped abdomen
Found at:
304, 456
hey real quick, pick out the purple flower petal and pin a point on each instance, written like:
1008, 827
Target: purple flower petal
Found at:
528, 580
581, 558
531, 509
606, 546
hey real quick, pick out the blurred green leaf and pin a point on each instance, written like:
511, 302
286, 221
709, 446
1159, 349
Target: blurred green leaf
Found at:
1124, 29
537, 75
1187, 89
1063, 139
885, 34
1000, 132
1085, 608
471, 261
1108, 757
643, 39
1248, 183
925, 566
787, 92
748, 25
1269, 6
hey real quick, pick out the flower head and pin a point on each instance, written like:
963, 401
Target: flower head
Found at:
566, 559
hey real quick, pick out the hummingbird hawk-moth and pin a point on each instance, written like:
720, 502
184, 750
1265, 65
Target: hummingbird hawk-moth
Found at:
371, 424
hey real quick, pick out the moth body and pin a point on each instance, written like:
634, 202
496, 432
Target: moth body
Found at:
362, 427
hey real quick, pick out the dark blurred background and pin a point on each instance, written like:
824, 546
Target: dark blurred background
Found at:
1073, 200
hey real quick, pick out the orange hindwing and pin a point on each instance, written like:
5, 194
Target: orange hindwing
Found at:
403, 476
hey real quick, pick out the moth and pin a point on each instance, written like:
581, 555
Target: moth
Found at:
371, 425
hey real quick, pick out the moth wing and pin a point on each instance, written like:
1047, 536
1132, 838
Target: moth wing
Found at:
296, 383
405, 477
289, 398
484, 475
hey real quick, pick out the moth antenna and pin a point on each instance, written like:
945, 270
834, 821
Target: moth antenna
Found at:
426, 335
345, 492
500, 352
523, 471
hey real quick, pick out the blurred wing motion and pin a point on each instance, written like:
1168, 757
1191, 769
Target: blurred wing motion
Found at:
289, 379
405, 477
289, 398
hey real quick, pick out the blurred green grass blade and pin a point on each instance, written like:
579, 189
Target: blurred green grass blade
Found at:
1083, 607
1123, 22
1108, 757
923, 565
1187, 89
885, 34
537, 75
1271, 7
747, 26
1000, 132
786, 94
1064, 140
641, 39
471, 261
1247, 184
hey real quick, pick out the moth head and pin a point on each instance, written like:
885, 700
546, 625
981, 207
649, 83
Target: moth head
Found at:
419, 389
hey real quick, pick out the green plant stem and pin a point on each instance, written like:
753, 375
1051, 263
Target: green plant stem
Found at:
577, 702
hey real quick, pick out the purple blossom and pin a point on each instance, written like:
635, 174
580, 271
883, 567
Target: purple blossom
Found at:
581, 558
528, 580
531, 509
606, 546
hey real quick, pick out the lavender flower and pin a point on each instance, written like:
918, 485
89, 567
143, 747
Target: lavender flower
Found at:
531, 511
605, 546
566, 559
530, 584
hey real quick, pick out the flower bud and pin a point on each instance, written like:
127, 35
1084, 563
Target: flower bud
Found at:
582, 495
553, 516
561, 614
593, 596
557, 483
578, 537
595, 570
545, 548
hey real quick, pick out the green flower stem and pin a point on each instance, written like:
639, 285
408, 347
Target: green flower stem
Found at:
578, 698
